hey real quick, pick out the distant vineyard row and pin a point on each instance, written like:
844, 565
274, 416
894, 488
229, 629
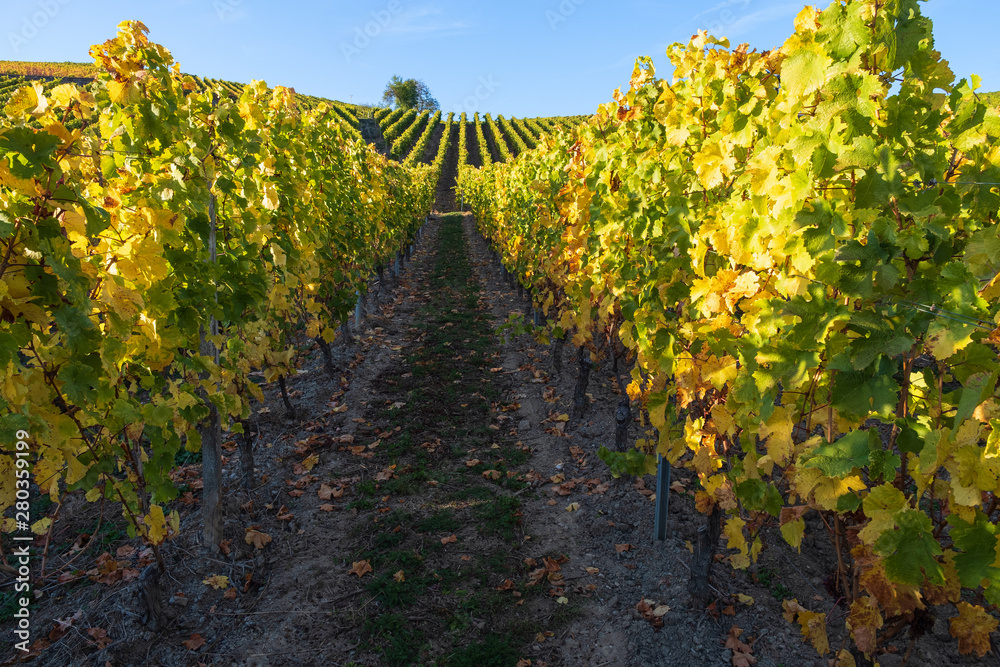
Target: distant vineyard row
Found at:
495, 140
411, 136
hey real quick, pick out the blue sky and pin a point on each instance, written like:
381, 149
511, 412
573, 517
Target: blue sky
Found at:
520, 57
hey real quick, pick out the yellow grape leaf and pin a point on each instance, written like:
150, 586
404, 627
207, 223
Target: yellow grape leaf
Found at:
778, 432
41, 526
719, 371
723, 419
946, 338
157, 524
75, 471
572, 507
279, 254
270, 199
992, 289
745, 599
399, 577
219, 582
123, 92
733, 531
793, 532
845, 659
825, 490
972, 628
713, 163
813, 625
706, 459
881, 505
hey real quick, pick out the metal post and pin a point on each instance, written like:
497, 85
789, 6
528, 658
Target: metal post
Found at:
357, 313
662, 498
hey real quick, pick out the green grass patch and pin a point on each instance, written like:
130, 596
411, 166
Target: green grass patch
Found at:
442, 521
500, 517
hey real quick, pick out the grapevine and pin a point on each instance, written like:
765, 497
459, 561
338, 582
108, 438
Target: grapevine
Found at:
796, 252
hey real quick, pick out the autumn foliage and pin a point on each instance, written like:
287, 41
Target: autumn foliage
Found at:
800, 249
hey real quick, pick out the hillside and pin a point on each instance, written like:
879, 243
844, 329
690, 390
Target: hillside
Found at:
405, 135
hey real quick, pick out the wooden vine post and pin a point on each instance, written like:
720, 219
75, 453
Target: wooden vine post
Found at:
211, 428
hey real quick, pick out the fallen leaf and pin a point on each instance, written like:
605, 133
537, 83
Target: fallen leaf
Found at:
310, 462
646, 608
572, 507
257, 538
400, 576
230, 594
620, 548
100, 637
449, 540
506, 585
360, 568
491, 474
217, 581
592, 570
562, 600
327, 507
194, 643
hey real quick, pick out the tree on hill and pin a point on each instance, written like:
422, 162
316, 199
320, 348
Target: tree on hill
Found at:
409, 94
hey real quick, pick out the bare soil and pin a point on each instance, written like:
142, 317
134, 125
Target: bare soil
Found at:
472, 145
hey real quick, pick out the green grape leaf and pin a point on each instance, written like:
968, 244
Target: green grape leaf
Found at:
977, 543
840, 457
911, 549
869, 391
